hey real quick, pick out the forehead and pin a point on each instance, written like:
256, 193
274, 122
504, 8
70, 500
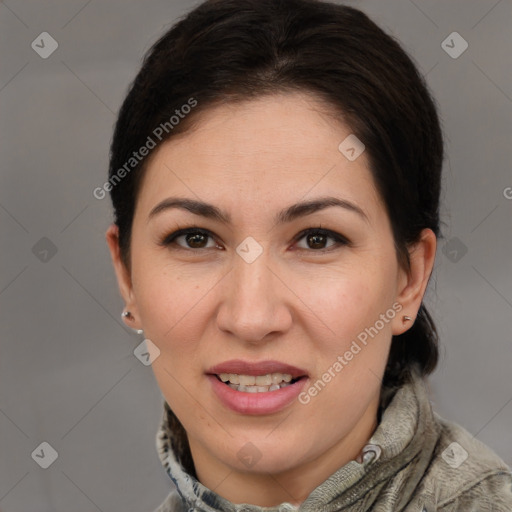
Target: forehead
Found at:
267, 150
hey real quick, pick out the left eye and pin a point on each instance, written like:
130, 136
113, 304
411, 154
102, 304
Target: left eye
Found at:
318, 237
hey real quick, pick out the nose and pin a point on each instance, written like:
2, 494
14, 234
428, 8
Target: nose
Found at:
256, 302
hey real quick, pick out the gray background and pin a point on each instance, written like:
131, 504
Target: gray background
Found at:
68, 375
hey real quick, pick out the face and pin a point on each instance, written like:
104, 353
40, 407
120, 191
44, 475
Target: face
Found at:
260, 286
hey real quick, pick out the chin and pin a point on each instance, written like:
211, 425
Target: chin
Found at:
261, 455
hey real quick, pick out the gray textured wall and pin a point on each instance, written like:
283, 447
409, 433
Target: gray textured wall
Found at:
67, 372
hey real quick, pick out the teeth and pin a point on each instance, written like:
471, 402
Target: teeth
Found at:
264, 380
251, 380
256, 384
277, 378
247, 380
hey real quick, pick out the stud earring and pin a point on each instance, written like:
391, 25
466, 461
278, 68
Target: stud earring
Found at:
406, 318
129, 316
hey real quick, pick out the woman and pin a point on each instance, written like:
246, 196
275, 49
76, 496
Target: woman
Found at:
275, 174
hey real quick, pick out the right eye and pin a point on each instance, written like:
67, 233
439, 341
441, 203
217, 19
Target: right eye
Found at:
194, 239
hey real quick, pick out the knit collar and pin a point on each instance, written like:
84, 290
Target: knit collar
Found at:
405, 437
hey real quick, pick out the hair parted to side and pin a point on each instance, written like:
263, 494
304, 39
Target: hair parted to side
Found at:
234, 50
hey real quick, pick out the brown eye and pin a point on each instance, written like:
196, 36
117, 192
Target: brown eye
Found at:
193, 239
317, 239
196, 240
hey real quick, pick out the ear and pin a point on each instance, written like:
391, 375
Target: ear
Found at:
123, 277
413, 283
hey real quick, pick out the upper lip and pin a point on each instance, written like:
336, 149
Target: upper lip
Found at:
241, 367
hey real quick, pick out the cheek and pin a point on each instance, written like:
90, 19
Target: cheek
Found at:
352, 343
170, 299
344, 304
171, 306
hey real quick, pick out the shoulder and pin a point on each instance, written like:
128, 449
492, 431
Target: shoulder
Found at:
172, 503
465, 473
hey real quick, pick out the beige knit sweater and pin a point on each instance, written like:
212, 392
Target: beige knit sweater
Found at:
415, 462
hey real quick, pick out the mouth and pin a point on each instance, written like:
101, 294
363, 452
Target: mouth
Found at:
257, 383
263, 387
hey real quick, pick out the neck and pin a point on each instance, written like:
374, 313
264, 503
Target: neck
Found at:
292, 485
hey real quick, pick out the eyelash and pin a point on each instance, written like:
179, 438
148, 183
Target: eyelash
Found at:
339, 239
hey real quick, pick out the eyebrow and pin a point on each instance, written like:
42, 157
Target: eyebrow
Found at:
288, 214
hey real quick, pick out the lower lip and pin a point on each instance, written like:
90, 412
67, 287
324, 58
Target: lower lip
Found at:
266, 402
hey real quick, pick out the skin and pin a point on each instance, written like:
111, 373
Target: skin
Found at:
299, 302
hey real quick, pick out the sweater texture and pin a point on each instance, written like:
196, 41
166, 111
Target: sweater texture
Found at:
415, 461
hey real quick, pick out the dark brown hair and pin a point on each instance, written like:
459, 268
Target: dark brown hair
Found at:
234, 50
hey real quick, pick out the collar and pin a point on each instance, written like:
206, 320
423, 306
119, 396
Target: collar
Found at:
403, 442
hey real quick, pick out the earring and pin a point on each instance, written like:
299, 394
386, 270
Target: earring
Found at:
406, 318
127, 314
